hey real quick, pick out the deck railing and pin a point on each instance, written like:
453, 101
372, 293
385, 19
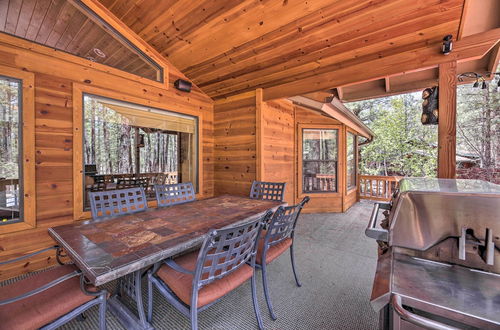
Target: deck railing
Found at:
377, 187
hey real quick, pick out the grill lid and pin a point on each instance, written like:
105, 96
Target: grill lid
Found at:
428, 211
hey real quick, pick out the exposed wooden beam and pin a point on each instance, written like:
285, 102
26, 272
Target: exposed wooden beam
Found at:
462, 19
320, 96
469, 48
340, 93
447, 139
410, 87
494, 60
387, 85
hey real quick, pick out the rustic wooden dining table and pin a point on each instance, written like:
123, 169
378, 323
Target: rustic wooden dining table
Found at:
123, 247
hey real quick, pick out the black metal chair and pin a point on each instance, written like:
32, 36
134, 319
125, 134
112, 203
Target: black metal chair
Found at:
197, 280
274, 191
48, 299
276, 239
173, 194
111, 203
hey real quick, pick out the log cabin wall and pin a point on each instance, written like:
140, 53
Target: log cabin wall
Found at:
350, 198
259, 140
278, 150
55, 74
235, 144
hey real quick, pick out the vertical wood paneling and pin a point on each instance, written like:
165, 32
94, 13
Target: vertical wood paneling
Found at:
235, 146
53, 138
447, 126
278, 152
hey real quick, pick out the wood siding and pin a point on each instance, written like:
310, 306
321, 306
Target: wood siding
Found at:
235, 145
54, 77
278, 150
257, 140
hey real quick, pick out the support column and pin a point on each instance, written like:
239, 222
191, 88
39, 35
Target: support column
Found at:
447, 139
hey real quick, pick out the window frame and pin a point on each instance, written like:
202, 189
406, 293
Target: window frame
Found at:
300, 192
27, 152
79, 91
347, 188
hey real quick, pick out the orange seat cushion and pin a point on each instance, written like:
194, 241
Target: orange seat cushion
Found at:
181, 283
274, 251
44, 307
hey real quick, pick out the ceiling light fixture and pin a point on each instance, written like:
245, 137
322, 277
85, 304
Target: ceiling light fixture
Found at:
99, 52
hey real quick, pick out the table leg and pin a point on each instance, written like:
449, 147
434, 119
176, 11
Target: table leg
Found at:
130, 285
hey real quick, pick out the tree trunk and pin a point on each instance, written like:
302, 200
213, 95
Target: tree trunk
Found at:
487, 129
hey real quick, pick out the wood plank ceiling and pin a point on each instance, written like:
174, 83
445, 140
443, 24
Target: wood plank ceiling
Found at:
62, 25
230, 47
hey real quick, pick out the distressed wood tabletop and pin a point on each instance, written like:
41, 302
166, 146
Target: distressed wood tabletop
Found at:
109, 249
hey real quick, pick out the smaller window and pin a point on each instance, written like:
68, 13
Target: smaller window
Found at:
10, 151
351, 161
319, 160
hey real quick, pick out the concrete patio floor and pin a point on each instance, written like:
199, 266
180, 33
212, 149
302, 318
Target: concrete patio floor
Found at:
336, 264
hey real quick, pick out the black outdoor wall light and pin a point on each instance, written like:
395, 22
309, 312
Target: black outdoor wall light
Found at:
447, 44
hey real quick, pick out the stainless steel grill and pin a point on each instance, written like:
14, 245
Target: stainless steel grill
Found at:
439, 256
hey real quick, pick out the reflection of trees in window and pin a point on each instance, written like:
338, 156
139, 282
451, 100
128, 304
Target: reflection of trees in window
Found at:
319, 160
10, 138
127, 145
110, 143
351, 160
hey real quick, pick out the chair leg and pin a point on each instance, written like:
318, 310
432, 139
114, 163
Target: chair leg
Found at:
102, 312
293, 267
255, 303
150, 299
266, 291
194, 318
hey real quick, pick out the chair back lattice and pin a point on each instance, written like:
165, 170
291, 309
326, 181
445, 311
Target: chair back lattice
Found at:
132, 182
111, 203
225, 250
282, 224
100, 182
173, 194
274, 191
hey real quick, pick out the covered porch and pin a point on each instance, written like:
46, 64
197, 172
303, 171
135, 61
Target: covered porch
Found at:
236, 110
335, 294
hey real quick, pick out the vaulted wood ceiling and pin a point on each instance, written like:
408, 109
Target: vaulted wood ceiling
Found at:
229, 47
66, 26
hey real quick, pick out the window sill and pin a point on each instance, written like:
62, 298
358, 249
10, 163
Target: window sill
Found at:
13, 227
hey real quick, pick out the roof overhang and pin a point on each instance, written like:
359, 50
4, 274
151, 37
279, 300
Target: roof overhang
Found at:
337, 110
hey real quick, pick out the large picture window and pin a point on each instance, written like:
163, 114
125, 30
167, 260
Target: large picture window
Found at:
127, 145
10, 151
319, 160
351, 161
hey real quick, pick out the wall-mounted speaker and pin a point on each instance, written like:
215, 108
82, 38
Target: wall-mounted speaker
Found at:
183, 85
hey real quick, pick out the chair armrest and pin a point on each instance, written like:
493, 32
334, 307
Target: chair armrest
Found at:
41, 289
172, 264
28, 255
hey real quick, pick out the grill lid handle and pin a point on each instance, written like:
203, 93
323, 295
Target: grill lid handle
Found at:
377, 233
417, 319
